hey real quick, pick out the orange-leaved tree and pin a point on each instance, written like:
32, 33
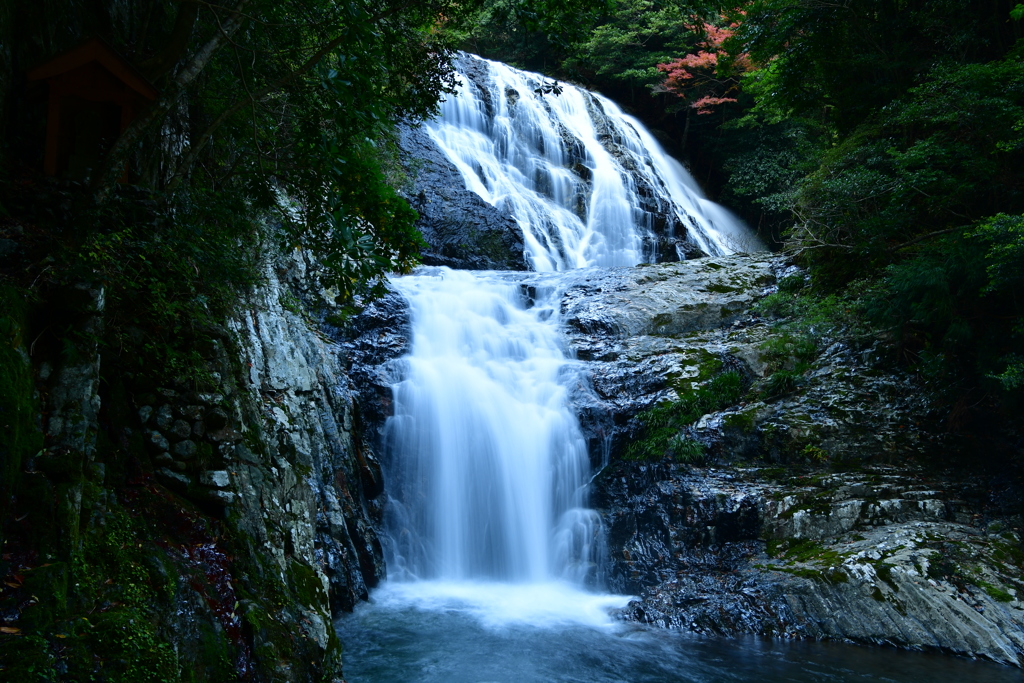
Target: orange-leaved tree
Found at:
710, 76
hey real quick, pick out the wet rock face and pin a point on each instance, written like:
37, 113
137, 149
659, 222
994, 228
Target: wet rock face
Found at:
649, 332
639, 330
375, 341
461, 229
310, 490
879, 556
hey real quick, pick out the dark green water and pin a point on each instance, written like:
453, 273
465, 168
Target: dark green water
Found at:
479, 636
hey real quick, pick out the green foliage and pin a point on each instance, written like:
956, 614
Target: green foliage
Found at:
805, 320
687, 451
1004, 258
97, 620
169, 282
528, 34
836, 64
948, 151
19, 436
627, 46
354, 222
782, 382
764, 163
663, 423
953, 307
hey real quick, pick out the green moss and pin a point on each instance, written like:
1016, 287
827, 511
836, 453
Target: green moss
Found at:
27, 659
49, 583
336, 320
720, 288
743, 421
290, 302
663, 423
126, 642
1008, 553
662, 319
884, 571
309, 588
815, 505
216, 654
995, 593
829, 576
491, 244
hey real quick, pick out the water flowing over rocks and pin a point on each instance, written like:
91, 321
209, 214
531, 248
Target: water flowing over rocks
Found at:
461, 229
510, 176
766, 540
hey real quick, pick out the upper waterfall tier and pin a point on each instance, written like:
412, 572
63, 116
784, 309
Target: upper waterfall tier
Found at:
587, 184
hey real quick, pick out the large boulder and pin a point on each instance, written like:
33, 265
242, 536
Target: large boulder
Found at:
461, 229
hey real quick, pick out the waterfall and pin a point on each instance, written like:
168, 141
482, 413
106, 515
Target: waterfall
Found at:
588, 184
484, 439
487, 465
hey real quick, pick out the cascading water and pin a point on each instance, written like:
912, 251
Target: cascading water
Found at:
483, 438
588, 185
488, 468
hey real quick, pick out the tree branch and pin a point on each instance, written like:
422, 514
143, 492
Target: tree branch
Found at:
921, 238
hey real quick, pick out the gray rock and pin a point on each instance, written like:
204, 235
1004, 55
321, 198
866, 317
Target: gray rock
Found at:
216, 419
173, 480
244, 454
219, 479
305, 459
185, 450
156, 441
181, 429
144, 414
886, 563
198, 428
164, 417
193, 412
223, 497
8, 249
460, 228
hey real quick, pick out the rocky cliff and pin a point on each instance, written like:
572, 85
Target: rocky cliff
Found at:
210, 529
816, 507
